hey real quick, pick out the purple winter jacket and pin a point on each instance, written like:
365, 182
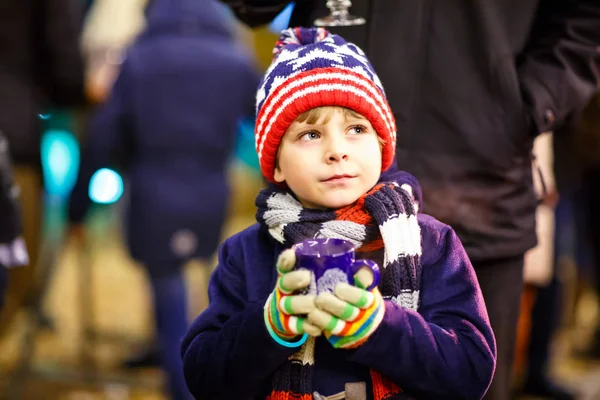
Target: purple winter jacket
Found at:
446, 350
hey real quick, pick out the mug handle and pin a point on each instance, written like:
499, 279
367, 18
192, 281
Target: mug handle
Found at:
372, 265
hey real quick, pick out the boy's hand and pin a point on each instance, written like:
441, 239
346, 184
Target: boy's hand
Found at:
284, 311
349, 317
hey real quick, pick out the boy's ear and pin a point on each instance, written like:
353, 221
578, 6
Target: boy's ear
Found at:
278, 175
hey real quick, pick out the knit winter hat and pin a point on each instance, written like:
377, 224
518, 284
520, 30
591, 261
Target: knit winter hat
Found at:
314, 68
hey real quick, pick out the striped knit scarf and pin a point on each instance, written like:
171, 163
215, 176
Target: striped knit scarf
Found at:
384, 218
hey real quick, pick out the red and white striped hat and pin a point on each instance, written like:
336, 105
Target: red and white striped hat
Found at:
313, 68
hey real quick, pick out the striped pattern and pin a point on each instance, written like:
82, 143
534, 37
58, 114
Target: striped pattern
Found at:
279, 311
384, 218
322, 84
282, 209
313, 68
293, 381
355, 331
366, 224
400, 224
285, 326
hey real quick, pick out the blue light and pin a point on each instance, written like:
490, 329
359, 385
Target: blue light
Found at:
60, 161
244, 145
282, 21
106, 186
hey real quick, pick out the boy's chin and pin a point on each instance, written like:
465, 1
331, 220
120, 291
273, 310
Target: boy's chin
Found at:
334, 202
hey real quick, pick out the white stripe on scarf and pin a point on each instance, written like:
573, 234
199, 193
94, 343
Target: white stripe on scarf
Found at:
402, 237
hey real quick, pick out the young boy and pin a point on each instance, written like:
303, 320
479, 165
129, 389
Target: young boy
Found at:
325, 138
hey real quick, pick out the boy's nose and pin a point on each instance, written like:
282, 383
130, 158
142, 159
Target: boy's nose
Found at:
336, 151
336, 156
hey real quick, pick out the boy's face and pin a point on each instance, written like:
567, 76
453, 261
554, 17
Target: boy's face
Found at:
330, 164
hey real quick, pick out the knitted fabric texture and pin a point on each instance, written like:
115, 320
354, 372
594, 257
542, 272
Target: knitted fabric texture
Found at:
384, 218
285, 312
313, 68
362, 318
280, 314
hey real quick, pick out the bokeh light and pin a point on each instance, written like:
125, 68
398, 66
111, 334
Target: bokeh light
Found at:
282, 20
60, 161
106, 186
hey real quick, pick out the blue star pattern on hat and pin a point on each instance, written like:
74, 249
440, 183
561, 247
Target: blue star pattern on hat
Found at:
314, 49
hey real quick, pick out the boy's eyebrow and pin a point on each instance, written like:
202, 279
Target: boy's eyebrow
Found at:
355, 118
325, 119
305, 124
351, 118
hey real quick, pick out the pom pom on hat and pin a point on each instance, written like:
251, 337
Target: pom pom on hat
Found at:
314, 68
293, 38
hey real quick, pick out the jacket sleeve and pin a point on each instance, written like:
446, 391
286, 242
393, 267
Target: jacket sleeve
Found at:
60, 62
558, 69
228, 353
110, 130
447, 349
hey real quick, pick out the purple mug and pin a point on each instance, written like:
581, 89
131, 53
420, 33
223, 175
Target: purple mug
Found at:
332, 261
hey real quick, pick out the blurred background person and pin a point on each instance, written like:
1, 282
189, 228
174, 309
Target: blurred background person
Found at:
541, 302
40, 68
13, 252
586, 149
110, 28
566, 223
170, 121
471, 84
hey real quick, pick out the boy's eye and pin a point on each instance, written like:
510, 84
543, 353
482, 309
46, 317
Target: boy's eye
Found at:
357, 130
309, 136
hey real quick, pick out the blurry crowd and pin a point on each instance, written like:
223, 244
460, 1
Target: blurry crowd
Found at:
155, 110
163, 91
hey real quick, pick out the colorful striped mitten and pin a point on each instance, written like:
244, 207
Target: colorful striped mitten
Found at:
285, 312
350, 316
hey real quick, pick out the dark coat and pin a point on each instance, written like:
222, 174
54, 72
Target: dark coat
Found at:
171, 119
40, 66
471, 83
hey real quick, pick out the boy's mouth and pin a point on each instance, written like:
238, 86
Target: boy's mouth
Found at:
338, 178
